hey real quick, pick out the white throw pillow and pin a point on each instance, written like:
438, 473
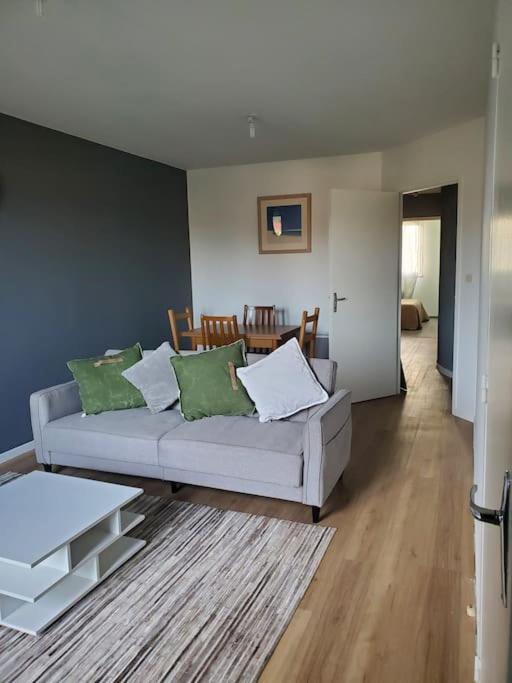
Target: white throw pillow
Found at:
282, 383
154, 377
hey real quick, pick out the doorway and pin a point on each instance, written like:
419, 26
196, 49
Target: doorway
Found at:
427, 278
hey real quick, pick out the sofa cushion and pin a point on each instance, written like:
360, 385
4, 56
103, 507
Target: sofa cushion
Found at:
129, 435
282, 384
101, 384
154, 377
237, 447
324, 369
208, 383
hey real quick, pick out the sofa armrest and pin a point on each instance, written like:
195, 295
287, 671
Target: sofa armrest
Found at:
51, 404
327, 441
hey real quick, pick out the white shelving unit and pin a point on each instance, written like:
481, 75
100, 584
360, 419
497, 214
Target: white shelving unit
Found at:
61, 536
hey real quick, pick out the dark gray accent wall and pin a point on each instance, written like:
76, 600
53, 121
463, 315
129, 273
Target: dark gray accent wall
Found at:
447, 276
427, 205
94, 248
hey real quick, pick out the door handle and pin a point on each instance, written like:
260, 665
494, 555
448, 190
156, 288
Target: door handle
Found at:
335, 299
486, 515
498, 518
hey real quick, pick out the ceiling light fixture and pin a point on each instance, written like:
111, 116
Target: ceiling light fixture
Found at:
251, 120
38, 4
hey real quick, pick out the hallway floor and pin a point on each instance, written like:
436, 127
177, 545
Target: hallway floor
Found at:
388, 603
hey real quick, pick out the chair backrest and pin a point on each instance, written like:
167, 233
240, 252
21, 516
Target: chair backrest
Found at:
174, 318
264, 315
307, 338
219, 330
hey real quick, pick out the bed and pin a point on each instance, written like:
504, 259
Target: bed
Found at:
413, 314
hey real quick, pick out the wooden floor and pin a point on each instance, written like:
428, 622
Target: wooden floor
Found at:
388, 604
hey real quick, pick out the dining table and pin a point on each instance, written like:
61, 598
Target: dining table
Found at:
255, 336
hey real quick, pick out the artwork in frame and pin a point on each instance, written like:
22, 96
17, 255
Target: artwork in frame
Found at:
284, 224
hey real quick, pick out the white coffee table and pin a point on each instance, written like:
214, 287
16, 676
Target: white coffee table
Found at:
60, 537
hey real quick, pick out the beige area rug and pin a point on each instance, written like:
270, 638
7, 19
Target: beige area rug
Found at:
207, 599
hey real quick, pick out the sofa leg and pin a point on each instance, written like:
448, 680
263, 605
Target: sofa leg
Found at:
174, 487
47, 468
315, 513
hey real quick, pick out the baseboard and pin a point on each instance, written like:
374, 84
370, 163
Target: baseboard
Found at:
15, 452
444, 371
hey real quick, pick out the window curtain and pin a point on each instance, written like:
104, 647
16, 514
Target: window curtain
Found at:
412, 257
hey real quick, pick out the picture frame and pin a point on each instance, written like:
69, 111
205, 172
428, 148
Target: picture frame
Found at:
284, 224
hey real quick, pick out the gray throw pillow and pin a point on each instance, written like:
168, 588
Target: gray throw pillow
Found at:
154, 377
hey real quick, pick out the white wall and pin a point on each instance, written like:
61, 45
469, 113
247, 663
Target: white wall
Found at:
228, 271
427, 286
455, 155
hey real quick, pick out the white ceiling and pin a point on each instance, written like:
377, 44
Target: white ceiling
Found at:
173, 80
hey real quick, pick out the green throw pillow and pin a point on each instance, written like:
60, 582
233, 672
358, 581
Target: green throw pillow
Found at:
209, 385
101, 384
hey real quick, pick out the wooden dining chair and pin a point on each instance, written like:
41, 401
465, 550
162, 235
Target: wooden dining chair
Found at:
174, 318
219, 330
307, 338
264, 315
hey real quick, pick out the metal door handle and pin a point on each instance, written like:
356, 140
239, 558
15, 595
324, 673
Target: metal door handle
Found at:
335, 299
497, 518
486, 515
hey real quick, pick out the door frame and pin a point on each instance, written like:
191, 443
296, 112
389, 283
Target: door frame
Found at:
458, 280
480, 430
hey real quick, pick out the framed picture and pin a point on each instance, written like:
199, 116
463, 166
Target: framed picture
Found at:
284, 224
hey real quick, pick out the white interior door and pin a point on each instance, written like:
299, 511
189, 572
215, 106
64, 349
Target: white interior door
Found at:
494, 419
364, 245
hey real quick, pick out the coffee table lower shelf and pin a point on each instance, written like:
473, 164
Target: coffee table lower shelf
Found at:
33, 617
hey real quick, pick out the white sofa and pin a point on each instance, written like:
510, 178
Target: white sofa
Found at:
300, 458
